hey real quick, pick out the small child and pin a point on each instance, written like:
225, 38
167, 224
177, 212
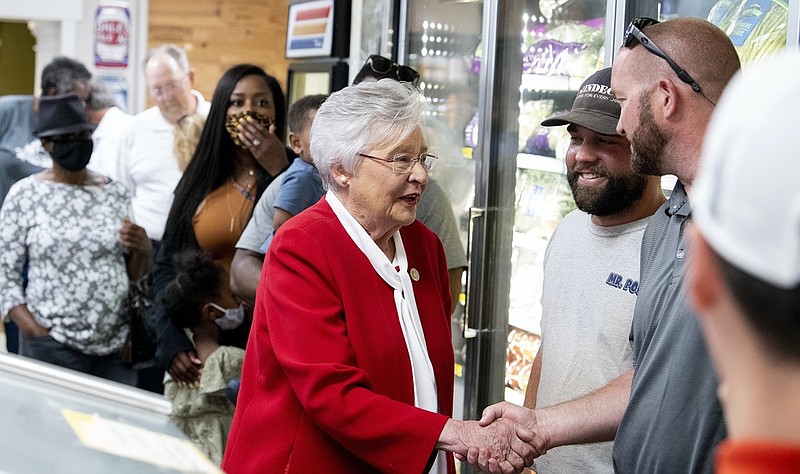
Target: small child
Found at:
301, 186
187, 133
199, 300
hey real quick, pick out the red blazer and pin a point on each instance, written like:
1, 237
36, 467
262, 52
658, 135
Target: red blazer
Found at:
326, 383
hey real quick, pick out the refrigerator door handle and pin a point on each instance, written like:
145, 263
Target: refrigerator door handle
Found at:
474, 213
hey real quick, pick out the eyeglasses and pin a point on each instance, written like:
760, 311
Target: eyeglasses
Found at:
634, 31
381, 65
168, 88
403, 162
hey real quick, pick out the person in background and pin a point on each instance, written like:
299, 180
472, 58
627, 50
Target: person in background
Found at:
664, 412
111, 122
238, 154
147, 165
591, 268
187, 135
199, 300
434, 209
744, 273
21, 152
291, 192
350, 362
70, 226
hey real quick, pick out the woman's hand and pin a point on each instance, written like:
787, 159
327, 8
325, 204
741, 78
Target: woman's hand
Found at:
139, 256
185, 368
264, 145
27, 324
501, 447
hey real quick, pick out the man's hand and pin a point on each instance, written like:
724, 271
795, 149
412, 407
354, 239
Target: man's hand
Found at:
528, 430
185, 368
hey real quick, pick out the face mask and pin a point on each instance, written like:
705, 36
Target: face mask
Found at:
72, 155
231, 318
232, 124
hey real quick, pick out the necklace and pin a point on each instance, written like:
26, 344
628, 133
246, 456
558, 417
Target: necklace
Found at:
245, 190
235, 215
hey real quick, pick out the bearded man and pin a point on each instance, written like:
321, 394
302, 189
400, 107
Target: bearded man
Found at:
591, 269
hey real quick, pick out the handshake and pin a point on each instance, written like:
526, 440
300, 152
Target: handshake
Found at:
504, 440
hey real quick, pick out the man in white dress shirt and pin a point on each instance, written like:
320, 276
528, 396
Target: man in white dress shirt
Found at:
148, 165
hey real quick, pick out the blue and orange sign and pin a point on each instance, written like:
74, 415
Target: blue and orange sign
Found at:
310, 29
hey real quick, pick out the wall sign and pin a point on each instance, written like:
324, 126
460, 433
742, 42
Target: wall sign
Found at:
111, 32
310, 29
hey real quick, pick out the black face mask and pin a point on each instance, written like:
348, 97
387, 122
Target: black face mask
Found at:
72, 155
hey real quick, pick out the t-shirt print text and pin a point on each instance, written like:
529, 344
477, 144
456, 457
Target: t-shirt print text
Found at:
625, 284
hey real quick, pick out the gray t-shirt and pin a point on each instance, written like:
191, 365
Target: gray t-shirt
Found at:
436, 213
674, 420
260, 224
591, 278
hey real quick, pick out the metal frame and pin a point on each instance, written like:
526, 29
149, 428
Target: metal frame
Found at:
489, 280
76, 382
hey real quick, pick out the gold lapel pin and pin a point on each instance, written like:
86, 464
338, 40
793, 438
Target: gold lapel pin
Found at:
414, 274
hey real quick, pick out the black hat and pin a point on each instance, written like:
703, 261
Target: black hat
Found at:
62, 115
595, 107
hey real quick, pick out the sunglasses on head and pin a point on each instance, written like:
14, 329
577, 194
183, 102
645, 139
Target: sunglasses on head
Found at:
634, 32
381, 65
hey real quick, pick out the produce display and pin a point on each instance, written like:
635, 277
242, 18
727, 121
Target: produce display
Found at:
563, 50
569, 49
522, 348
757, 28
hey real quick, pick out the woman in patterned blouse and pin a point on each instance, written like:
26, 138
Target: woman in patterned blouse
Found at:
72, 229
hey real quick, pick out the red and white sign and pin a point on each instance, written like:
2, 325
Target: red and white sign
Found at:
111, 34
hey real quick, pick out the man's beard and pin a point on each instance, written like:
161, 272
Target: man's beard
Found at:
647, 143
619, 193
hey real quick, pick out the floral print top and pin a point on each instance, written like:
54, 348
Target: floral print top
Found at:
77, 278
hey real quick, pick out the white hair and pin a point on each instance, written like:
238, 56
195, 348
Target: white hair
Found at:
172, 50
358, 118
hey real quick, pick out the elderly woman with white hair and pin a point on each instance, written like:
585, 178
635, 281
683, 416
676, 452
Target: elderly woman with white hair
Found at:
349, 367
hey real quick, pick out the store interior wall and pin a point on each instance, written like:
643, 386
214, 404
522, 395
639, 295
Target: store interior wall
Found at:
16, 54
218, 34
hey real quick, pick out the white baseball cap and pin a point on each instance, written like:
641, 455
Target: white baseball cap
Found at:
746, 195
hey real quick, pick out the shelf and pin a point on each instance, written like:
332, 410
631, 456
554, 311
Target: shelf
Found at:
541, 82
541, 163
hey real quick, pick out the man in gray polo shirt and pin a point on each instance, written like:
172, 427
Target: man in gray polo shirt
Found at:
664, 413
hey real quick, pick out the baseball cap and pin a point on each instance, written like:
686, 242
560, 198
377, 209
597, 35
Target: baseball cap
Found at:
595, 106
746, 197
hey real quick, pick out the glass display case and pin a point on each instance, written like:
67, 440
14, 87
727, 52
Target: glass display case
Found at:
59, 420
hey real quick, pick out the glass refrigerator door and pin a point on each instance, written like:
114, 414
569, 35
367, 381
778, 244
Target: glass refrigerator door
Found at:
537, 54
441, 40
757, 28
561, 44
